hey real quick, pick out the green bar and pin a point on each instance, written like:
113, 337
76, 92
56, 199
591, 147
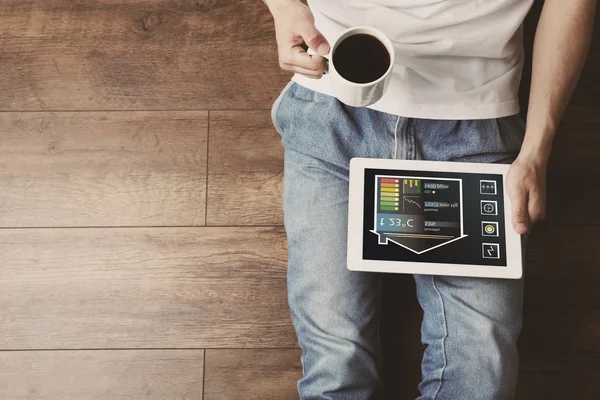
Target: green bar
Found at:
387, 208
389, 203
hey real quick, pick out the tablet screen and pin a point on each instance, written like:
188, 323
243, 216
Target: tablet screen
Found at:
434, 217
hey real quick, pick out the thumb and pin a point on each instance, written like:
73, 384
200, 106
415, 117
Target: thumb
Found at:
314, 39
520, 216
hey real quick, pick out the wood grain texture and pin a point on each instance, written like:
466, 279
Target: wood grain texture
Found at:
577, 140
252, 374
575, 376
245, 165
573, 169
137, 55
101, 375
102, 168
561, 300
144, 288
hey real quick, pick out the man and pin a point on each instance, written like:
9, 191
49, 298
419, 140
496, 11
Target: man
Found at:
453, 97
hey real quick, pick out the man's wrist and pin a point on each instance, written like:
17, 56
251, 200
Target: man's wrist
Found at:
536, 148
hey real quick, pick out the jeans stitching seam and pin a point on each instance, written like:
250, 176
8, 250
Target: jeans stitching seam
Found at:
410, 138
396, 138
406, 140
444, 339
414, 143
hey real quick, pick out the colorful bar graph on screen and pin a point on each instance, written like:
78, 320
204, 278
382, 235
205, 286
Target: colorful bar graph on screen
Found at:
389, 194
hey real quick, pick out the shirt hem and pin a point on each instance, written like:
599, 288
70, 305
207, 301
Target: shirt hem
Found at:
428, 111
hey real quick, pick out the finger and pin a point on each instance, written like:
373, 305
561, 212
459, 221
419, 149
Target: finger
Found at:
537, 206
294, 68
306, 72
313, 38
520, 215
300, 58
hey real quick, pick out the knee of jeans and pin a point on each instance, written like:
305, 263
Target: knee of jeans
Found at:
318, 307
488, 306
487, 326
329, 301
492, 338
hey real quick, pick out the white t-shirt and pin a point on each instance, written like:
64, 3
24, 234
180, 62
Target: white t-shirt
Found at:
455, 59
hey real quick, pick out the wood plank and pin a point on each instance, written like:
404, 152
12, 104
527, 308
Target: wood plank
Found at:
557, 377
563, 260
577, 140
144, 288
102, 168
137, 55
561, 299
245, 169
101, 375
573, 169
252, 374
402, 372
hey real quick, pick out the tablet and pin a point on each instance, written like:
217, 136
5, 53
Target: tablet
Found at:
431, 217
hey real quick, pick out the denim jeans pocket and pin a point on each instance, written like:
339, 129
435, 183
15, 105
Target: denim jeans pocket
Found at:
276, 105
512, 133
520, 121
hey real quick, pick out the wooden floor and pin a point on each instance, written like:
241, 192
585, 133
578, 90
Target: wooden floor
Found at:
142, 254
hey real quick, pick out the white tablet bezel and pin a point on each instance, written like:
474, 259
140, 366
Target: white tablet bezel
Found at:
355, 262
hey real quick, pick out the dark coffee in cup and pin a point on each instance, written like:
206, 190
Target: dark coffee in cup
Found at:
361, 58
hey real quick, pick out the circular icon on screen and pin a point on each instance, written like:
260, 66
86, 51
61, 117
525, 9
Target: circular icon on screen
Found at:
489, 207
489, 228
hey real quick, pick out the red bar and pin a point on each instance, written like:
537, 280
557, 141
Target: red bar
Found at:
386, 180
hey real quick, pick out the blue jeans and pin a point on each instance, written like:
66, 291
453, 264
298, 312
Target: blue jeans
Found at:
470, 325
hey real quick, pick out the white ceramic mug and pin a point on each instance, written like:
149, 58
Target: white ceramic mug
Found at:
359, 94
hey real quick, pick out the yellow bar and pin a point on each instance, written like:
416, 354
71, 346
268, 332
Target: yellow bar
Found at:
411, 181
390, 190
